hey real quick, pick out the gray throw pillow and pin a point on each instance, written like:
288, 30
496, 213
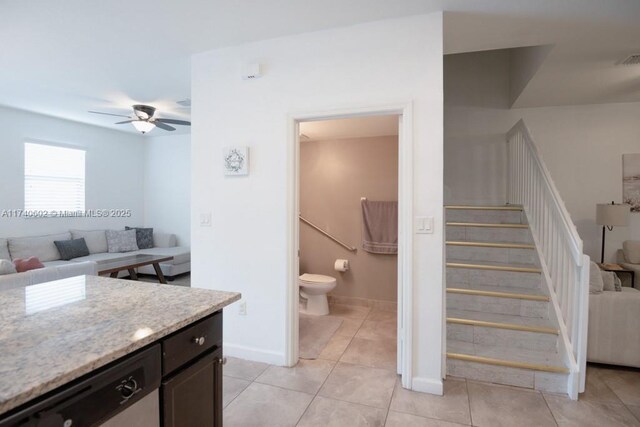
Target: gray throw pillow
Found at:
7, 267
70, 249
121, 240
144, 237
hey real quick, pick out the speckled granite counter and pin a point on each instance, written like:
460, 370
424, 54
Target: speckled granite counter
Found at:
53, 333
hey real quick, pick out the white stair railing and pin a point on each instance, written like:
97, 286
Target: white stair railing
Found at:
564, 265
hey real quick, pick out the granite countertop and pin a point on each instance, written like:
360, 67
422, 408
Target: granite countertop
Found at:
53, 333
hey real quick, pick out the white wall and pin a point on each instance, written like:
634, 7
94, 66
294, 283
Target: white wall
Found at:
114, 171
581, 145
245, 249
167, 184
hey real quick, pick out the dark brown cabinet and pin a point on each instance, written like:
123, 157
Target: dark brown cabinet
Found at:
191, 391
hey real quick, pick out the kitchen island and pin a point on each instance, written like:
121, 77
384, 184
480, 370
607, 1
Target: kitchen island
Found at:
58, 334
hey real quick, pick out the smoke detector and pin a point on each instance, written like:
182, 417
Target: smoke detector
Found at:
631, 60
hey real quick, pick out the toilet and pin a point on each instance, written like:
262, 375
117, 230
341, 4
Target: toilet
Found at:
314, 288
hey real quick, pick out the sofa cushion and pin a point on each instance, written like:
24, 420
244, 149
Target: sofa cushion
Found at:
180, 254
144, 237
596, 284
96, 239
38, 246
121, 240
4, 249
609, 281
164, 240
631, 249
70, 249
7, 267
27, 264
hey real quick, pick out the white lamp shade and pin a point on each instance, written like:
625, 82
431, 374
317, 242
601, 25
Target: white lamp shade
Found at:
143, 126
612, 215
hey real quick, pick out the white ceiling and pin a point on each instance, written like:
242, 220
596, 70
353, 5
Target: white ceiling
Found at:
357, 127
65, 57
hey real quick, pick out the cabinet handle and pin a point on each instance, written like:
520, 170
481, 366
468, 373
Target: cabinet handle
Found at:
222, 361
198, 340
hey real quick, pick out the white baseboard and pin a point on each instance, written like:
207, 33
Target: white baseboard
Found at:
427, 385
253, 354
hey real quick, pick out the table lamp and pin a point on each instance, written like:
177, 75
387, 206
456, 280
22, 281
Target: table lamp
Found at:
609, 216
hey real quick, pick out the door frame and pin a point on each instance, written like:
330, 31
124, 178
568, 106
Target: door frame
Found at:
405, 227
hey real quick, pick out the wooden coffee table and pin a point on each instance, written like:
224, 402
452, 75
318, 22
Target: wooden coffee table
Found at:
113, 267
617, 268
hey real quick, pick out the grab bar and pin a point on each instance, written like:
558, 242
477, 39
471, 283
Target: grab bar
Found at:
338, 241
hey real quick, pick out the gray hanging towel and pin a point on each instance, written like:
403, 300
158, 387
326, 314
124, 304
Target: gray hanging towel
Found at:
380, 227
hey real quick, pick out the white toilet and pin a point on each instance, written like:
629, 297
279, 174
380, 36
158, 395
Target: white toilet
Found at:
314, 288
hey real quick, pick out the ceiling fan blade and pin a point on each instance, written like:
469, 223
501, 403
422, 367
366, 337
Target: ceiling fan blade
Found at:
174, 122
163, 126
109, 114
126, 121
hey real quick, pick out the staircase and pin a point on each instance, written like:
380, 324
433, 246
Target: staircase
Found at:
501, 326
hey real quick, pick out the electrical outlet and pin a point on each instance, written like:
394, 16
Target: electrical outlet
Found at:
205, 219
242, 309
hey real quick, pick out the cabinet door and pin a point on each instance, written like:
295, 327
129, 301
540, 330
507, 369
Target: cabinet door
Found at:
189, 398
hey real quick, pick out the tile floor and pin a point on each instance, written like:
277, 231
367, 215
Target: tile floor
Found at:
353, 383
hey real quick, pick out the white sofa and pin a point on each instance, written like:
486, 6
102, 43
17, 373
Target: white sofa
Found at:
613, 335
44, 248
48, 274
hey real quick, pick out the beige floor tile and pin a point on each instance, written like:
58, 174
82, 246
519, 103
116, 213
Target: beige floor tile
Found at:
349, 311
495, 405
399, 419
379, 353
307, 376
596, 390
349, 327
624, 383
378, 329
360, 384
265, 405
231, 388
335, 347
453, 406
325, 412
244, 369
635, 410
585, 413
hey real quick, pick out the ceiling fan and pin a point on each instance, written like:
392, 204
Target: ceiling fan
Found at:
144, 121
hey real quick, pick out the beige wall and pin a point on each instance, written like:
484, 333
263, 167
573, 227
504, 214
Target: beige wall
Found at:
333, 177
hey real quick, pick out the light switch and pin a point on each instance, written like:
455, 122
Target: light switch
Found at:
205, 219
424, 224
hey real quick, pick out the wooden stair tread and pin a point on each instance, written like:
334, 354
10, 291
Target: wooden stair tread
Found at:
487, 224
504, 356
499, 292
509, 319
502, 245
485, 207
493, 265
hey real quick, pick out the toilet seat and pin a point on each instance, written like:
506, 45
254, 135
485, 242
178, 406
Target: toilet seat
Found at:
311, 279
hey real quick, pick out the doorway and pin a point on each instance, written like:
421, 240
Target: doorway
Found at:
342, 249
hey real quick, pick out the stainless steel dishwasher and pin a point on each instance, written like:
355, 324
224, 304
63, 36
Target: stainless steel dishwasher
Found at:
125, 394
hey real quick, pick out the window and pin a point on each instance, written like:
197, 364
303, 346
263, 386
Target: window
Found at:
53, 178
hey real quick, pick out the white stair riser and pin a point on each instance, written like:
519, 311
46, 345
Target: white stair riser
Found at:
512, 306
488, 234
539, 380
499, 217
504, 255
470, 276
525, 340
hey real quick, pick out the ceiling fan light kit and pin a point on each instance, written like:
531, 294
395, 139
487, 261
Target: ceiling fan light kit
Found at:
144, 121
143, 126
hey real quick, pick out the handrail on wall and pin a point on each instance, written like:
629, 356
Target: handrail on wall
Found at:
335, 239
